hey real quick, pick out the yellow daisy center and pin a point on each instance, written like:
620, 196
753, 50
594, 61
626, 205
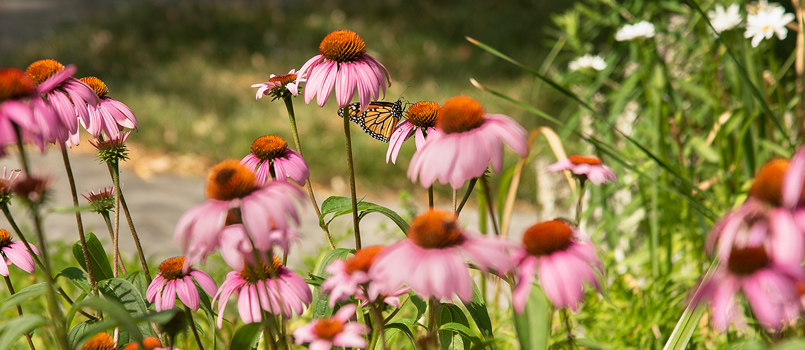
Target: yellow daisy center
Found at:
41, 70
768, 185
5, 238
342, 46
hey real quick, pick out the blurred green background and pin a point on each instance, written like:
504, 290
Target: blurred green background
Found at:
185, 67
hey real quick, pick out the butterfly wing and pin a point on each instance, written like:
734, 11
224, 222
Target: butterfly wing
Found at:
380, 119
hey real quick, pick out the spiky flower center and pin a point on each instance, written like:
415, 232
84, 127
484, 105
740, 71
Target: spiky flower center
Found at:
41, 70
150, 343
233, 217
423, 114
547, 237
363, 259
33, 189
435, 229
328, 328
460, 114
283, 79
578, 160
5, 238
97, 85
171, 269
100, 341
14, 84
768, 185
745, 261
229, 180
269, 147
102, 201
342, 46
252, 273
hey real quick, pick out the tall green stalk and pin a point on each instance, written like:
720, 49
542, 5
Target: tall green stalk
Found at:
79, 222
19, 312
355, 222
130, 221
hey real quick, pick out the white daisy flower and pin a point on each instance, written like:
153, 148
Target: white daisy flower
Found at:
769, 21
639, 30
588, 61
725, 19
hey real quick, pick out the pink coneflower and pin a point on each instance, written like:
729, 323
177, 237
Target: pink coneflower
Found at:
176, 279
271, 158
261, 209
68, 96
350, 278
432, 259
768, 284
324, 333
15, 106
344, 64
101, 202
420, 118
100, 341
109, 115
562, 257
465, 141
585, 168
280, 85
14, 252
236, 249
280, 292
7, 185
33, 189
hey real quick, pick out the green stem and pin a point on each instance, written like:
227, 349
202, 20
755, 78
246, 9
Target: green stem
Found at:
433, 334
134, 235
292, 118
56, 316
19, 311
379, 330
193, 327
79, 222
490, 205
470, 187
430, 197
116, 237
23, 158
566, 319
579, 204
350, 162
109, 228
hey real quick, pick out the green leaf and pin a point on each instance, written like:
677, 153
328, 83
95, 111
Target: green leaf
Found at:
689, 321
313, 280
320, 307
137, 278
391, 214
339, 206
115, 314
407, 331
78, 277
246, 337
478, 312
101, 268
21, 295
77, 332
533, 326
421, 305
462, 330
17, 326
449, 313
127, 294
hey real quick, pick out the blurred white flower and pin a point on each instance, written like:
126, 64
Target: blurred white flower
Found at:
639, 30
768, 21
588, 61
725, 19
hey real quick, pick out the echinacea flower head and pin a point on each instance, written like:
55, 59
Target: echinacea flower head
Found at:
588, 62
14, 252
271, 158
16, 110
32, 189
585, 168
420, 118
432, 259
724, 19
236, 248
68, 96
112, 150
279, 86
272, 287
466, 139
109, 116
175, 278
261, 210
7, 185
767, 22
564, 259
100, 341
101, 202
639, 30
347, 277
151, 343
324, 333
343, 63
769, 285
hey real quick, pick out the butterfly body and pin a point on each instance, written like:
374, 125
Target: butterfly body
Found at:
379, 119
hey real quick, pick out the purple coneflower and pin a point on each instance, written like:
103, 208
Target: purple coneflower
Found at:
232, 185
7, 185
14, 252
109, 115
465, 141
432, 259
236, 249
324, 333
176, 279
279, 291
344, 64
271, 158
350, 278
68, 96
585, 168
562, 257
420, 118
16, 90
278, 85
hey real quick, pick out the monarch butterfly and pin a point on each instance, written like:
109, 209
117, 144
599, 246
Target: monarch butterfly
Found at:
379, 120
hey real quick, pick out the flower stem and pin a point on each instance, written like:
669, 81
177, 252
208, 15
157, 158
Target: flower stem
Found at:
350, 162
379, 331
193, 326
116, 237
470, 187
19, 311
108, 222
490, 205
430, 197
292, 118
56, 316
566, 319
79, 222
134, 235
23, 158
433, 335
580, 202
